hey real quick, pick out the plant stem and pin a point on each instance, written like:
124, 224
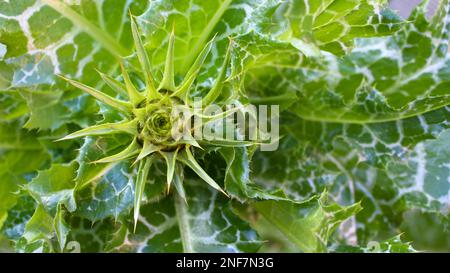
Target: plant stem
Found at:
183, 224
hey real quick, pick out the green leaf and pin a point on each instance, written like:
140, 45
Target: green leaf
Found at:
327, 24
365, 118
147, 149
106, 189
7, 196
120, 105
89, 237
61, 228
135, 96
46, 110
114, 84
12, 106
77, 19
293, 168
237, 177
216, 90
192, 73
188, 159
141, 180
144, 61
17, 146
168, 80
307, 224
126, 153
393, 245
6, 75
178, 182
170, 158
40, 227
427, 231
205, 224
382, 79
5, 246
54, 186
92, 150
196, 26
103, 190
44, 39
424, 178
18, 216
374, 163
109, 196
105, 129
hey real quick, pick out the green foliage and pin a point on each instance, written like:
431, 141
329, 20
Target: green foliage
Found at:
365, 124
308, 224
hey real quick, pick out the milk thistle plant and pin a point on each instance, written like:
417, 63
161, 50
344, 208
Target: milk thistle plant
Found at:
223, 126
151, 121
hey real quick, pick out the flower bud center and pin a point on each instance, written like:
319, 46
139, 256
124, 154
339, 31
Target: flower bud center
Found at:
159, 123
